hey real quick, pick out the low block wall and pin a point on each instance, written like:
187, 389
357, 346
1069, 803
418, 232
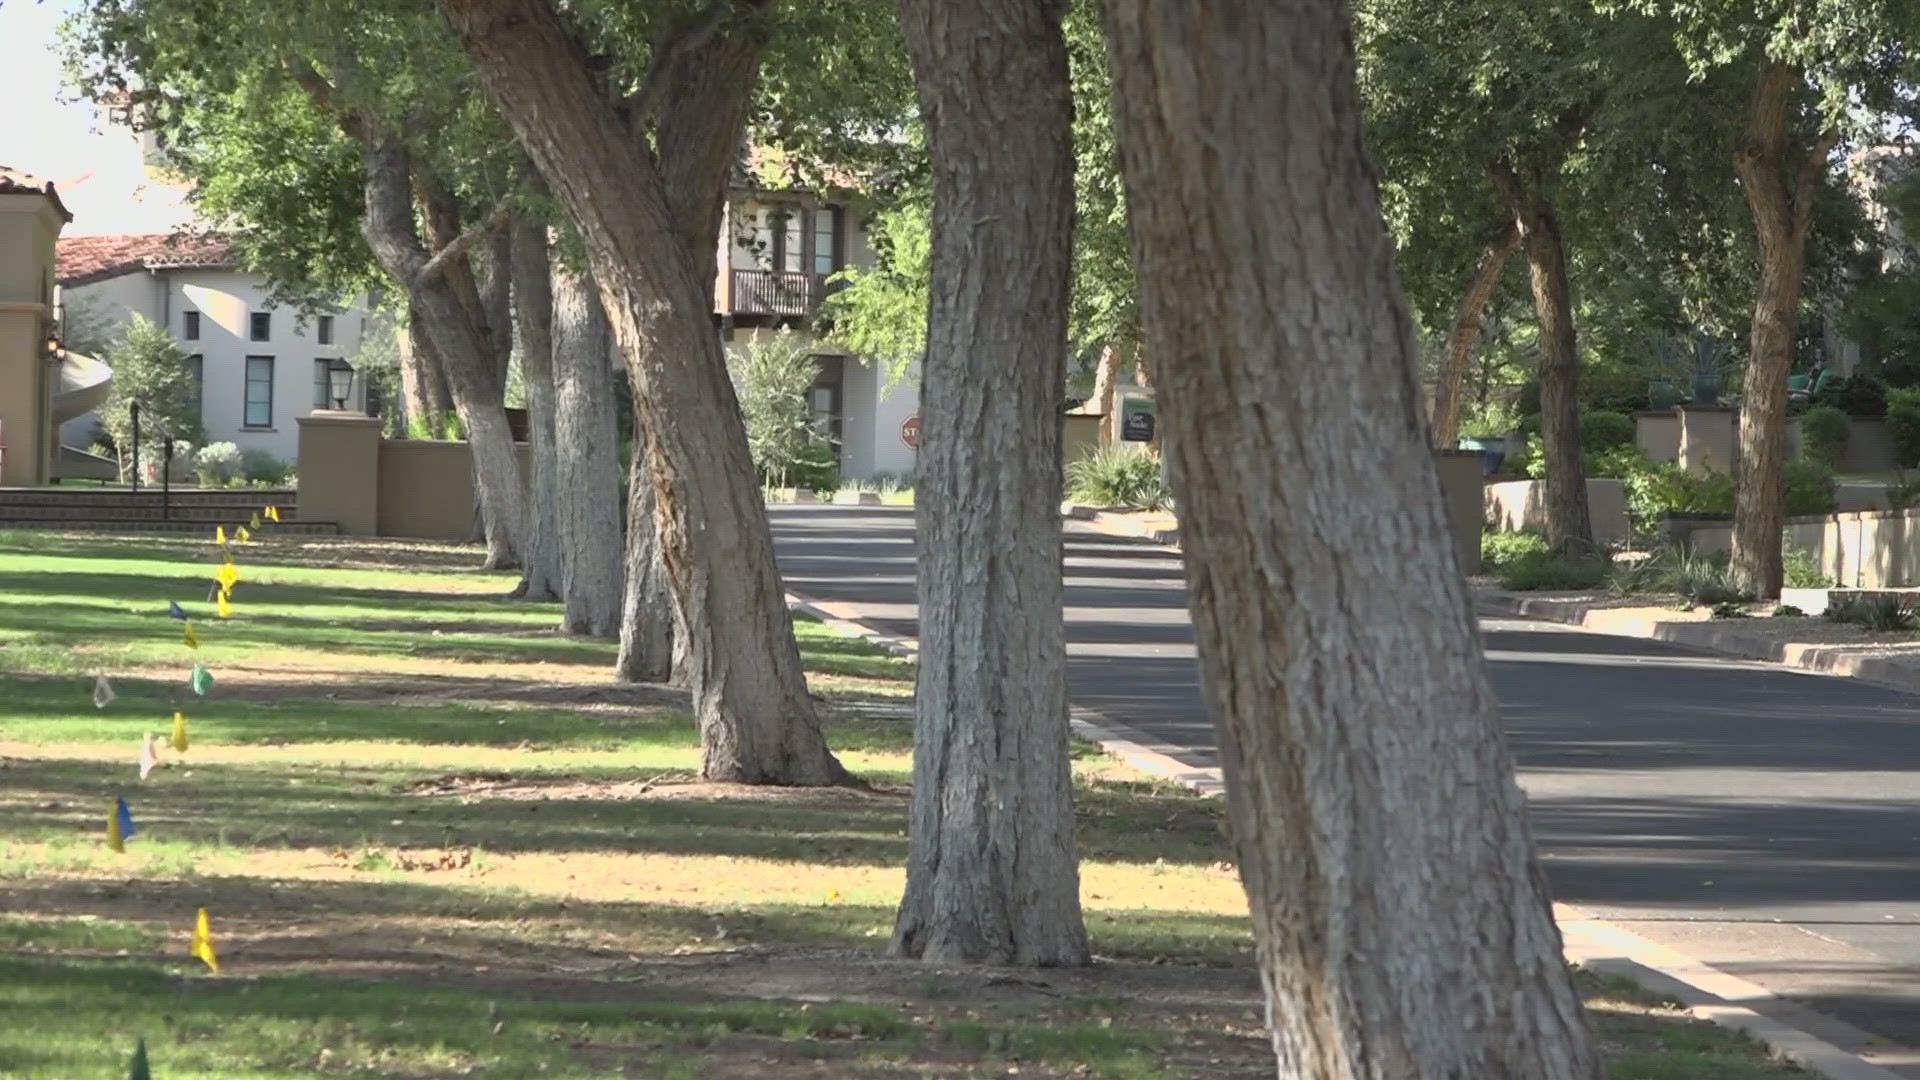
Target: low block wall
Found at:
1514, 505
369, 486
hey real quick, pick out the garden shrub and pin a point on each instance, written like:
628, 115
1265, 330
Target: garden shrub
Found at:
1543, 570
1809, 489
217, 464
262, 469
1604, 430
1860, 396
1117, 475
1497, 549
1665, 488
1824, 432
1801, 571
1903, 492
1903, 425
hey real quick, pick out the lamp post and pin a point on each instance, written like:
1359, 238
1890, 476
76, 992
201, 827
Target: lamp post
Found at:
340, 383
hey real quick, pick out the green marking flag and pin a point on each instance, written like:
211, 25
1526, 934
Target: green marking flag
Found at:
202, 679
139, 1070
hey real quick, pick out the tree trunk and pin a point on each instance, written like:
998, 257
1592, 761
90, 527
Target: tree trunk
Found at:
461, 344
648, 618
533, 306
992, 875
589, 459
1569, 530
1466, 334
1781, 180
1401, 924
757, 722
423, 382
1106, 376
492, 262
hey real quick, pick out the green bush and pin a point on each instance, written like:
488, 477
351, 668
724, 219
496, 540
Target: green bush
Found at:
1729, 609
1801, 571
1701, 579
218, 464
1903, 425
1885, 613
1809, 489
816, 469
1903, 492
1615, 463
772, 377
1860, 396
1489, 420
1118, 475
1497, 549
261, 469
1665, 488
1788, 611
1543, 570
1601, 429
1824, 432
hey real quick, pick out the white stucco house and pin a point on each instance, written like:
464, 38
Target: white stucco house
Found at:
259, 367
777, 250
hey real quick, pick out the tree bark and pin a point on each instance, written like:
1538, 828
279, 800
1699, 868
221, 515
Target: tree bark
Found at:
1569, 529
1781, 180
649, 621
992, 874
1401, 923
589, 458
1466, 334
1106, 378
533, 309
493, 276
757, 721
460, 342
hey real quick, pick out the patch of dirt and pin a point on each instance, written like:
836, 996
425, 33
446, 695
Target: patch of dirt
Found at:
478, 786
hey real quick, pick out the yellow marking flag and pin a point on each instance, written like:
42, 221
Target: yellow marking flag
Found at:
226, 576
220, 535
241, 534
273, 513
115, 839
254, 521
179, 740
225, 605
189, 635
203, 942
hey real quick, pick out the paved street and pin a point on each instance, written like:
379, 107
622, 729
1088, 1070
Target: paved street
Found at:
1764, 821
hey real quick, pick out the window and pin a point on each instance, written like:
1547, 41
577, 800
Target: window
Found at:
259, 398
197, 375
191, 331
324, 329
261, 326
826, 237
793, 237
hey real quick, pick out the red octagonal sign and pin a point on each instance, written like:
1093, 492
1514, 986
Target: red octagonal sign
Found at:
910, 431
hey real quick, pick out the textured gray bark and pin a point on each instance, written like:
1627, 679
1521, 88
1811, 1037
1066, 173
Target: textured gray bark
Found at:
1781, 181
1401, 923
648, 616
423, 384
463, 344
1569, 529
493, 279
757, 722
1106, 380
992, 874
533, 311
1465, 334
588, 431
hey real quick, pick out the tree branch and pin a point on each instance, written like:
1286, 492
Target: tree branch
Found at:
352, 124
495, 220
1807, 183
644, 102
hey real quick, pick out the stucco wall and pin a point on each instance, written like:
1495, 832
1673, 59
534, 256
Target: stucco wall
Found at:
1513, 505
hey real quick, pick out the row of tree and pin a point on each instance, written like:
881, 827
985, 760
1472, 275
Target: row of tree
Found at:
1229, 227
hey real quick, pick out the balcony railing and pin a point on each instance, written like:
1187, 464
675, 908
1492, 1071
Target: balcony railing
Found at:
776, 292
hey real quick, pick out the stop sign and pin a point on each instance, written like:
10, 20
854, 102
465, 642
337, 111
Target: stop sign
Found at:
910, 431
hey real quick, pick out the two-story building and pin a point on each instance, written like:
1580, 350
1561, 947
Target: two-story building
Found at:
258, 367
778, 250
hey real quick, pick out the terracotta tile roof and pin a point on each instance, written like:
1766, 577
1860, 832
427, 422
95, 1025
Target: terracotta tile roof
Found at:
15, 182
82, 260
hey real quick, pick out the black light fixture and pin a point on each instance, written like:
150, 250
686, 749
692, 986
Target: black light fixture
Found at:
340, 383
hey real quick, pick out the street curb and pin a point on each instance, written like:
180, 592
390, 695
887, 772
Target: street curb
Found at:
1707, 992
1118, 525
1725, 637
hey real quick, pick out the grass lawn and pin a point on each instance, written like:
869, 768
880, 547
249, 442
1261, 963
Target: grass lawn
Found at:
434, 840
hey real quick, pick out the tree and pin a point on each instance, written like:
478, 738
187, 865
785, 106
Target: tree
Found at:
771, 377
534, 315
588, 431
1464, 334
647, 198
1401, 923
991, 870
150, 369
299, 111
652, 636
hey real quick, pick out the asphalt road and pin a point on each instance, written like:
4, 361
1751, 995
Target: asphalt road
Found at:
1761, 820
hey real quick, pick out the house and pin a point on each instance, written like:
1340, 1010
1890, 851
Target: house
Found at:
33, 373
259, 368
778, 248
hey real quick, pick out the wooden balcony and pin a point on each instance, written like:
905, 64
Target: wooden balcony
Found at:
777, 293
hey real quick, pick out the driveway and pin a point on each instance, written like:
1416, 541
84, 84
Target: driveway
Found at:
1761, 820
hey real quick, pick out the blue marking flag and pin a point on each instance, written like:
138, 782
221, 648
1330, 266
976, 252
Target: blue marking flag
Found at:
124, 815
174, 610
